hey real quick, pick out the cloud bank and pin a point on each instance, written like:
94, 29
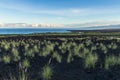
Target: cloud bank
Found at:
73, 25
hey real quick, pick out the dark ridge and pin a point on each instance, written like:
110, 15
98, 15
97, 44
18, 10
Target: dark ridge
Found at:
100, 30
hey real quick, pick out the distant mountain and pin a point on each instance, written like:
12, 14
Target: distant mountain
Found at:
109, 28
99, 30
105, 27
97, 25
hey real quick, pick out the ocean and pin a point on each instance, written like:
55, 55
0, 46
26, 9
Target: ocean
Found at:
31, 30
36, 30
46, 30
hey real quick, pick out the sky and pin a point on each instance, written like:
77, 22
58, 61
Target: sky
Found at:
59, 11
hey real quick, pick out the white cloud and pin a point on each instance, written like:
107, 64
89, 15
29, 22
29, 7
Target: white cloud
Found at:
73, 25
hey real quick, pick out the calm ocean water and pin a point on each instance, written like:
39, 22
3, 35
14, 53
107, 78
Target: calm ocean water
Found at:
33, 30
46, 30
30, 30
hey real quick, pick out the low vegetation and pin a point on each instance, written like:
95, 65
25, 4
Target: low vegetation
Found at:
59, 58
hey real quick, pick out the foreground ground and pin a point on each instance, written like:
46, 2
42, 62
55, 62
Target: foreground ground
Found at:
60, 57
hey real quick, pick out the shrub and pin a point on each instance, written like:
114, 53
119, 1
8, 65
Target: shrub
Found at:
90, 60
112, 60
15, 54
47, 72
69, 58
6, 59
57, 56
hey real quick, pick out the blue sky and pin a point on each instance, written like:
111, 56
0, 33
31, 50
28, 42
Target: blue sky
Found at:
59, 11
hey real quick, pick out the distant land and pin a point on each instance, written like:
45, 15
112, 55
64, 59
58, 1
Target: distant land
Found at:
98, 30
